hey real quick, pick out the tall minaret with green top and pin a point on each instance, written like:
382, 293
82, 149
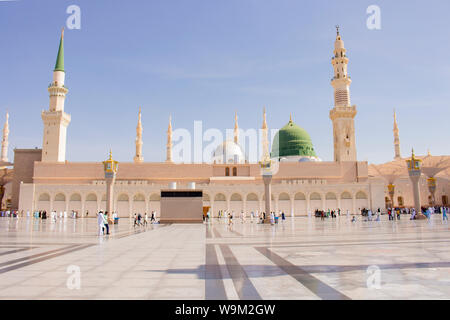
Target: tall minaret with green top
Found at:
55, 119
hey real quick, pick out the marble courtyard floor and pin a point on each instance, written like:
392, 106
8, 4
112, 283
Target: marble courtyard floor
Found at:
304, 258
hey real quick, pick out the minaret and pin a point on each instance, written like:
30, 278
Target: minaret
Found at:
5, 142
236, 129
138, 157
265, 138
343, 113
55, 119
169, 141
396, 139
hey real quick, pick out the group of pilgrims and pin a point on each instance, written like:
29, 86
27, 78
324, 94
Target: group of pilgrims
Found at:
259, 217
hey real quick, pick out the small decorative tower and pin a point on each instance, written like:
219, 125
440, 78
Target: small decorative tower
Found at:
236, 129
139, 158
265, 138
396, 139
343, 113
5, 142
55, 119
169, 141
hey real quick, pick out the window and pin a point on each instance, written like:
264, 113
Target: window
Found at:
234, 172
227, 171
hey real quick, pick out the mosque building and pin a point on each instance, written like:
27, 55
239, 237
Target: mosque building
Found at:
44, 180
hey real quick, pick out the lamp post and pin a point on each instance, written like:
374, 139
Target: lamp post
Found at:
110, 167
415, 171
267, 178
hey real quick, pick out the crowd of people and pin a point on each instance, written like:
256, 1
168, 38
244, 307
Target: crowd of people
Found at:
143, 221
255, 216
41, 214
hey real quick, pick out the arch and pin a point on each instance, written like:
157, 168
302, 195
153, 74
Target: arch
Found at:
284, 196
330, 196
139, 197
346, 195
400, 201
44, 197
252, 197
75, 197
91, 197
220, 197
155, 197
60, 197
361, 200
444, 200
299, 196
227, 171
361, 195
300, 204
236, 197
123, 197
315, 196
234, 171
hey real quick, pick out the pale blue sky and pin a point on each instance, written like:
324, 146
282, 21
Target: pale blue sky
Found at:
204, 60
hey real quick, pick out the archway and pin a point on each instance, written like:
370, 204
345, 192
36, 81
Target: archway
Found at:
361, 200
252, 203
139, 204
236, 203
44, 202
220, 203
59, 203
331, 201
123, 205
90, 204
284, 203
315, 201
75, 203
300, 204
155, 204
346, 202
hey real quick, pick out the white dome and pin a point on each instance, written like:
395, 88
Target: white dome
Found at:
228, 152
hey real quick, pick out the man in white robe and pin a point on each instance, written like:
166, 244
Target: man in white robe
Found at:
100, 222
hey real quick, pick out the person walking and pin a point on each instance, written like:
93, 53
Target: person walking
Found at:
145, 219
105, 222
100, 223
444, 214
152, 218
283, 217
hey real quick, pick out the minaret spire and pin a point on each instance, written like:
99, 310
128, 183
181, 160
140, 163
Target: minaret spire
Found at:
343, 113
396, 139
169, 141
138, 157
5, 141
265, 140
59, 66
55, 119
236, 129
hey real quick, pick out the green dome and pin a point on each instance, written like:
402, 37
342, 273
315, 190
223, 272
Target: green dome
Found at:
292, 140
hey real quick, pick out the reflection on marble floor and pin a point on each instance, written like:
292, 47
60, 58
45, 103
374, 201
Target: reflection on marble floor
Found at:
303, 258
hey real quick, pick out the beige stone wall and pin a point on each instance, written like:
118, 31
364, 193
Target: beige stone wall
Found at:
85, 172
24, 160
